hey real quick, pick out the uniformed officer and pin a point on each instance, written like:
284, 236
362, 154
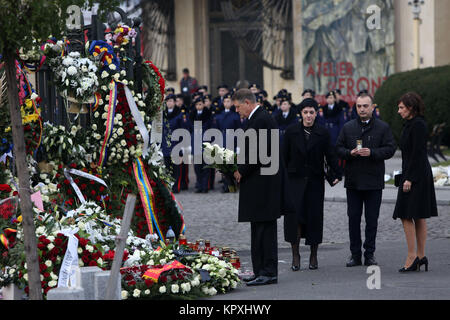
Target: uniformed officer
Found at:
203, 89
344, 105
227, 119
285, 117
172, 120
333, 116
223, 89
202, 114
265, 103
255, 88
179, 102
170, 91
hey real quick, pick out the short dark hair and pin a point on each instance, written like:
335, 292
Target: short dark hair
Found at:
364, 95
414, 102
185, 70
244, 94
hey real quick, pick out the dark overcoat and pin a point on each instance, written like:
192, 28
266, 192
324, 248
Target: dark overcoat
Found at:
420, 202
365, 173
305, 170
260, 196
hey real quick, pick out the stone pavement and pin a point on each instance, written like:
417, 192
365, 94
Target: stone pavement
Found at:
213, 216
334, 281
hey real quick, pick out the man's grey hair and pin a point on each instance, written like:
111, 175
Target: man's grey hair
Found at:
244, 94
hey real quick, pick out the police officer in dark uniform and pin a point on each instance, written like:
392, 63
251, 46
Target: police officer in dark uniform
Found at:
333, 116
202, 114
172, 120
203, 89
227, 119
255, 89
223, 89
285, 117
343, 104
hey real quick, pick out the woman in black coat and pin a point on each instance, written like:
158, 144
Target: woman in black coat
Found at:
305, 147
416, 200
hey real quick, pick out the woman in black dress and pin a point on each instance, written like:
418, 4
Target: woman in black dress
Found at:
416, 200
306, 146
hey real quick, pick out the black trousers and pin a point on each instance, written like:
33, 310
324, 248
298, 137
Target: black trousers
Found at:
202, 174
371, 199
264, 248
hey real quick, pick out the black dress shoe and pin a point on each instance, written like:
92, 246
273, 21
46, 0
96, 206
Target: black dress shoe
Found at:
370, 261
249, 278
354, 261
262, 280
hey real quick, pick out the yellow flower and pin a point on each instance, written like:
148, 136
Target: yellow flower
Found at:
8, 129
30, 118
19, 219
28, 104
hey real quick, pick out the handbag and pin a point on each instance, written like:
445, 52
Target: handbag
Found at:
398, 179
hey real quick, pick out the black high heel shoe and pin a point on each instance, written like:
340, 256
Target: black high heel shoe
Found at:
424, 261
294, 266
413, 267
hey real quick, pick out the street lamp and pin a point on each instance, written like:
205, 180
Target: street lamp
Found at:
416, 10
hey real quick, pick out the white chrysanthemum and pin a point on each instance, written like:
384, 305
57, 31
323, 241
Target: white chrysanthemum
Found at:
162, 289
124, 294
71, 70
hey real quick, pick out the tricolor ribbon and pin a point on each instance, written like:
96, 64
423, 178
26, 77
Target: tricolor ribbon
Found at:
97, 98
155, 273
147, 198
109, 123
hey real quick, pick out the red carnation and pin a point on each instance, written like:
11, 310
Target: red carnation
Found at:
132, 283
149, 282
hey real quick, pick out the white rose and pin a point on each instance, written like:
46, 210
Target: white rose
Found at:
89, 248
124, 294
117, 76
104, 74
96, 114
52, 283
112, 66
123, 143
48, 263
50, 246
25, 276
120, 131
100, 261
53, 276
162, 289
125, 82
175, 288
212, 291
136, 293
147, 292
94, 127
104, 88
123, 72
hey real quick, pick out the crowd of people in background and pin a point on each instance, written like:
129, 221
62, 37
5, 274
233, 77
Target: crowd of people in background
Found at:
194, 102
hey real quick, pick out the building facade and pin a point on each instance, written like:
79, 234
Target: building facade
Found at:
294, 44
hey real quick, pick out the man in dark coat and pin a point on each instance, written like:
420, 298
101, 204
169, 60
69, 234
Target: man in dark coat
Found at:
365, 143
188, 85
259, 195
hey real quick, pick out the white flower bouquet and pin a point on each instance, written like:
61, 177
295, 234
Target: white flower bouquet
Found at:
223, 160
75, 77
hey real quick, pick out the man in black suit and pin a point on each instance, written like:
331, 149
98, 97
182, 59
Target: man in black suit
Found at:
365, 143
259, 194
